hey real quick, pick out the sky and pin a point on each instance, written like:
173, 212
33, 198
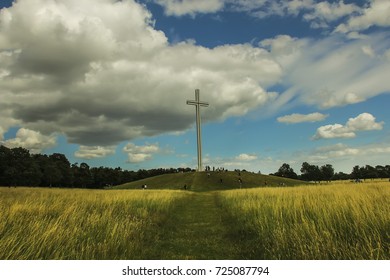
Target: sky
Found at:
106, 82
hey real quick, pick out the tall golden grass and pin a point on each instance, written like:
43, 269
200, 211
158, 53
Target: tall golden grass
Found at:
339, 221
80, 224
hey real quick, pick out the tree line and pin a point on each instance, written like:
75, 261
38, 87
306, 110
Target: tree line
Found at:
326, 172
20, 168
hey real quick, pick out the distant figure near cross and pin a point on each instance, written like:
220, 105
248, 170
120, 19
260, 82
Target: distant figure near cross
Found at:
197, 103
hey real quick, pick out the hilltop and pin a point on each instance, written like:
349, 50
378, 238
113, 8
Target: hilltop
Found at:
206, 181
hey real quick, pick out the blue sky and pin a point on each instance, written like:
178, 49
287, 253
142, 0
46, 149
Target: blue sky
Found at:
106, 82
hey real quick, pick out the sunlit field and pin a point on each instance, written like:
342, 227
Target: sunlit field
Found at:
80, 224
329, 221
333, 221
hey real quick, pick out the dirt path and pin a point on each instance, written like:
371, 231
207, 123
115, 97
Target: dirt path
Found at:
196, 231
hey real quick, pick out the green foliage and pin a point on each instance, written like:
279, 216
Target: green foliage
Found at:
19, 168
286, 171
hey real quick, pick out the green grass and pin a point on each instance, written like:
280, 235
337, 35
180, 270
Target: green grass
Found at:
333, 221
209, 181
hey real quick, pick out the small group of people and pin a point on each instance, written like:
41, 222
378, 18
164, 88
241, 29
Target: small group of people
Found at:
144, 187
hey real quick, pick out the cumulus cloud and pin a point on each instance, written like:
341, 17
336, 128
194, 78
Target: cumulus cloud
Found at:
363, 122
299, 118
137, 154
91, 152
99, 73
31, 140
333, 131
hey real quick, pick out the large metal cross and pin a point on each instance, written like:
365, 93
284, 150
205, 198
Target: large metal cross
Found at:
197, 104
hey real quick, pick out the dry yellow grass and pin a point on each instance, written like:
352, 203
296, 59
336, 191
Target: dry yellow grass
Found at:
335, 221
80, 224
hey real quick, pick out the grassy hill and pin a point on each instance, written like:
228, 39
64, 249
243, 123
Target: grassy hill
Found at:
205, 181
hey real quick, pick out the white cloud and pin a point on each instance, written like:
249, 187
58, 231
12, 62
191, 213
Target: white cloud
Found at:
137, 154
57, 75
34, 141
91, 152
322, 13
334, 151
363, 122
318, 13
299, 118
190, 7
331, 72
246, 157
333, 131
249, 162
366, 154
125, 82
376, 14
285, 49
368, 50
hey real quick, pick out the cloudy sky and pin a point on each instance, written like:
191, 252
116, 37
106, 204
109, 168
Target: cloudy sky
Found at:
106, 82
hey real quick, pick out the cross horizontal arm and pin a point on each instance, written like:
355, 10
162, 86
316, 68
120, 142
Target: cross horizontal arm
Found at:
194, 102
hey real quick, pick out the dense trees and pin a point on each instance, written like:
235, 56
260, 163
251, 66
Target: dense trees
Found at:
286, 171
19, 168
326, 172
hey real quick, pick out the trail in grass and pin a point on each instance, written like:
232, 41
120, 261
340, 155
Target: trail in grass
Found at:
196, 231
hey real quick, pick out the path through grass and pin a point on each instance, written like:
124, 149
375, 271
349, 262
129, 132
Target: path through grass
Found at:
196, 231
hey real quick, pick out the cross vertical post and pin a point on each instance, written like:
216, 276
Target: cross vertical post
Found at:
197, 103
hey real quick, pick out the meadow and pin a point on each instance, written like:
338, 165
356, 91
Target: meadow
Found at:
38, 223
334, 221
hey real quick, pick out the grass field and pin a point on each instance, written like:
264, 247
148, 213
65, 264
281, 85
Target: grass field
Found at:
81, 224
333, 221
210, 181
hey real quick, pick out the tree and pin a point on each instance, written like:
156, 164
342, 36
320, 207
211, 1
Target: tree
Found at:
341, 176
311, 172
382, 172
5, 165
61, 163
85, 178
356, 172
327, 172
369, 172
286, 171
